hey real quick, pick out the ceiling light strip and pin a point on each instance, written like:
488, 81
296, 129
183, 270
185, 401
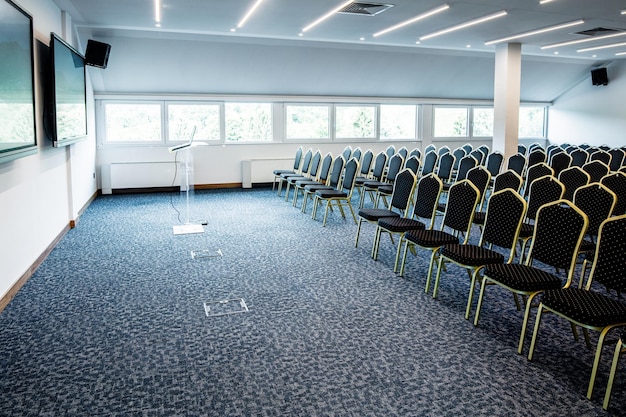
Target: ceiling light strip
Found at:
620, 53
327, 15
249, 13
413, 20
536, 32
157, 11
545, 1
465, 25
595, 48
590, 39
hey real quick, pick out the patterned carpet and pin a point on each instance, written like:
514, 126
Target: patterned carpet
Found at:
113, 324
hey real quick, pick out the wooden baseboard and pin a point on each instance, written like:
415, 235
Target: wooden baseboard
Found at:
6, 299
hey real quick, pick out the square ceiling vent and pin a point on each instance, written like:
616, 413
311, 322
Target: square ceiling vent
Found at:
598, 31
365, 9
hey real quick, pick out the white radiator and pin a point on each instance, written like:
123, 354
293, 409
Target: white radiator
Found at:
120, 175
260, 170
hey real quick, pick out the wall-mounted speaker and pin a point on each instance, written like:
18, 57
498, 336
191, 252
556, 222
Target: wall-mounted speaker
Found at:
599, 76
97, 53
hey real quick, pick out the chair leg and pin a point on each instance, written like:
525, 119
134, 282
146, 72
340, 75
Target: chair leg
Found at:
596, 361
609, 387
522, 336
470, 297
406, 248
352, 211
358, 231
430, 270
376, 243
398, 250
481, 294
438, 276
326, 212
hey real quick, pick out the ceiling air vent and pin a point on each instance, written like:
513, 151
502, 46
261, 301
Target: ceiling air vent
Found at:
365, 9
598, 31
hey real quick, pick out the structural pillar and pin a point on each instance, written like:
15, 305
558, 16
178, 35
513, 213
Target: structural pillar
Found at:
506, 98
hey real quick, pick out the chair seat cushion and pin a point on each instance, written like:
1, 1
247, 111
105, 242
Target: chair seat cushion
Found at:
400, 224
471, 255
304, 182
431, 238
373, 184
479, 217
522, 277
385, 189
293, 179
314, 187
283, 171
360, 180
373, 214
586, 307
526, 231
330, 194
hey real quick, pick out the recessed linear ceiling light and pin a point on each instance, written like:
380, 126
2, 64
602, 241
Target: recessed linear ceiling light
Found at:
157, 12
413, 20
536, 32
595, 48
327, 15
620, 53
465, 25
623, 11
545, 1
249, 13
593, 38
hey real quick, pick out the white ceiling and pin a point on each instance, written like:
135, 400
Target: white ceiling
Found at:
285, 19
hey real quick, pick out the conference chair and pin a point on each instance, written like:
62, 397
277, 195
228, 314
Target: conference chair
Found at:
357, 153
557, 235
616, 182
468, 148
429, 148
494, 163
341, 196
560, 161
596, 170
617, 159
458, 153
416, 152
296, 167
314, 167
336, 171
579, 157
536, 156
430, 162
540, 169
572, 179
517, 163
321, 179
403, 151
364, 172
602, 156
597, 202
377, 174
370, 187
507, 179
304, 169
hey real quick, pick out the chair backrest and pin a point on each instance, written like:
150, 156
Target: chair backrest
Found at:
416, 152
380, 162
480, 178
298, 159
427, 194
505, 214
494, 163
468, 148
597, 202
478, 155
485, 150
557, 235
579, 157
430, 161
347, 152
413, 163
336, 171
429, 148
403, 188
390, 151
395, 165
543, 190
443, 150
535, 156
403, 151
584, 146
315, 164
560, 161
522, 149
349, 176
602, 156
517, 163
551, 151
596, 170
324, 171
357, 153
604, 147
617, 159
572, 179
467, 162
609, 267
366, 162
616, 182
458, 153
507, 179
306, 163
463, 199
538, 170
444, 170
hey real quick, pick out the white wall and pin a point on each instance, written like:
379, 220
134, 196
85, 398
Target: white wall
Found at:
592, 114
42, 193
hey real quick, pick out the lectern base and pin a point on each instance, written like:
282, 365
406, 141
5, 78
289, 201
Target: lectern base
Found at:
185, 229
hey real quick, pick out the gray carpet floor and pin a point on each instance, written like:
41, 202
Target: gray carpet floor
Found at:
113, 323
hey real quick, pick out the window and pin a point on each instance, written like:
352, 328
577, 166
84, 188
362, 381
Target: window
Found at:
355, 122
450, 121
482, 122
182, 118
307, 121
398, 121
248, 122
531, 122
133, 122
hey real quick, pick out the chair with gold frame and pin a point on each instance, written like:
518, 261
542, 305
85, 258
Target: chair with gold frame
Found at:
341, 196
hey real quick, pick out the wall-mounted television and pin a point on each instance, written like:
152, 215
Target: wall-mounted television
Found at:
67, 101
17, 83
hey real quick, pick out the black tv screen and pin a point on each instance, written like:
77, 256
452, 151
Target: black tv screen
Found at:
17, 98
68, 98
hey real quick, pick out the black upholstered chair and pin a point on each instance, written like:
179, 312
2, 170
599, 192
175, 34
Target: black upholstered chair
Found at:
404, 152
597, 202
416, 152
377, 175
314, 167
347, 153
332, 183
596, 170
399, 204
463, 199
444, 168
617, 159
365, 172
507, 179
468, 148
517, 163
465, 164
522, 149
536, 156
422, 216
505, 213
390, 151
443, 150
559, 229
559, 162
413, 163
459, 153
602, 156
320, 179
357, 154
588, 308
616, 182
620, 348
429, 148
370, 187
296, 167
494, 163
538, 170
480, 177
384, 190
430, 162
341, 196
572, 179
304, 170
579, 157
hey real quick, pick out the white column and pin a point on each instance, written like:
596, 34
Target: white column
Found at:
506, 98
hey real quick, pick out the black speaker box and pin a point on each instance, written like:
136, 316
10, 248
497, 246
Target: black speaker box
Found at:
599, 76
97, 53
